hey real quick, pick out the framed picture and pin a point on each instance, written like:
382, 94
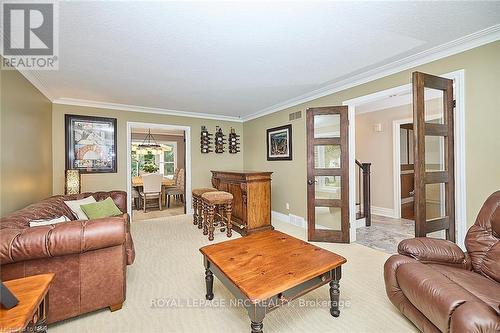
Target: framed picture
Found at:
279, 143
90, 144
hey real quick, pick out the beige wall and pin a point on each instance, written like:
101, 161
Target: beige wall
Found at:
25, 143
482, 118
377, 148
201, 163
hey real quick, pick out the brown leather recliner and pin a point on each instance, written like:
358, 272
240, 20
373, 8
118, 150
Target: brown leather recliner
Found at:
442, 289
88, 257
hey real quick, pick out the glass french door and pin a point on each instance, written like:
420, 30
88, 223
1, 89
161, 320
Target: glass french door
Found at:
327, 174
433, 111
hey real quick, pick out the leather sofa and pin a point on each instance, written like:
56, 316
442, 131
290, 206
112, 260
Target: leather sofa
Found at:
88, 257
442, 289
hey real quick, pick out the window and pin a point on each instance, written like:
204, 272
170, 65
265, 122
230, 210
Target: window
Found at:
165, 161
327, 157
168, 160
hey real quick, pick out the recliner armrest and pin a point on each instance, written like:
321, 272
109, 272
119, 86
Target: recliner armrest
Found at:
434, 251
60, 239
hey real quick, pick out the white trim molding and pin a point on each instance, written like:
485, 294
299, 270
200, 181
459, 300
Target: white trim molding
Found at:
143, 109
460, 179
358, 223
187, 137
456, 46
383, 211
295, 220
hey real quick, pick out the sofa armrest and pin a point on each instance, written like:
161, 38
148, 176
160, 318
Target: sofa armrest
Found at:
433, 251
60, 239
474, 317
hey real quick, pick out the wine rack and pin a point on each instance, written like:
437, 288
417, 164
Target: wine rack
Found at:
234, 142
219, 140
205, 141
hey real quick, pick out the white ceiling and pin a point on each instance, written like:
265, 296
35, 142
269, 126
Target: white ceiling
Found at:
236, 59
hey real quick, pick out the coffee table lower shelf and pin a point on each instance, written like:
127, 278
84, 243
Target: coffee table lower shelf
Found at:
257, 309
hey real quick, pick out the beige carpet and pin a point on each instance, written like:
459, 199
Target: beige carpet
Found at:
169, 271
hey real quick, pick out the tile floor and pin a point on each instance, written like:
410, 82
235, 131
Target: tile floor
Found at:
385, 233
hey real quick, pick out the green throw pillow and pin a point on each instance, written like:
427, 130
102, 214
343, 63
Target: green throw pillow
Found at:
97, 210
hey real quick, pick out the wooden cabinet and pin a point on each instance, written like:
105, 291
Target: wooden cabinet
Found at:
252, 198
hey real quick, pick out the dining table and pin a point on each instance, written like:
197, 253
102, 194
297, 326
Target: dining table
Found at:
166, 182
138, 183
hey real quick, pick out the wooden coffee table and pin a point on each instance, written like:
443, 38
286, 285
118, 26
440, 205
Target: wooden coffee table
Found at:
269, 268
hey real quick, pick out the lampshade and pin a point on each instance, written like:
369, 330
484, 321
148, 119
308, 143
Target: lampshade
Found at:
72, 182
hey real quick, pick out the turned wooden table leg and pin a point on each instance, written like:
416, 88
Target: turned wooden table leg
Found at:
205, 218
228, 223
335, 292
257, 327
209, 281
201, 213
222, 213
195, 210
211, 228
256, 312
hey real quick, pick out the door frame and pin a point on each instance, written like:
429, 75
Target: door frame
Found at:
187, 166
460, 154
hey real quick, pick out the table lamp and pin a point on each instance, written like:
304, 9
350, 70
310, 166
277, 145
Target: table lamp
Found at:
72, 183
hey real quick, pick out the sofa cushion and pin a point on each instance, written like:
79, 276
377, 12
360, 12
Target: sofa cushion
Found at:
105, 208
483, 288
432, 293
75, 206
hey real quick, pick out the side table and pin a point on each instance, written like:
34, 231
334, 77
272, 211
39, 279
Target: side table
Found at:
30, 315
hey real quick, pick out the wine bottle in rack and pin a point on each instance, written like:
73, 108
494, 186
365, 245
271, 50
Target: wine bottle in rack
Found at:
234, 142
205, 141
219, 140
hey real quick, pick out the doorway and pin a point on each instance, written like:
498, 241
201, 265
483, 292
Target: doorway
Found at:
327, 174
406, 171
158, 156
392, 209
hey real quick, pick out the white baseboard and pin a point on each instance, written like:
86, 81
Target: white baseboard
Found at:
358, 223
290, 218
382, 211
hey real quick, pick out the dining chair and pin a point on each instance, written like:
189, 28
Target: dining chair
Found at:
176, 174
152, 184
178, 189
136, 198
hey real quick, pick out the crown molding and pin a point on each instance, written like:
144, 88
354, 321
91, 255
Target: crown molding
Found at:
32, 77
456, 46
143, 109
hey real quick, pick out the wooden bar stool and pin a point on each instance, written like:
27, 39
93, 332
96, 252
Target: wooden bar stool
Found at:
216, 201
197, 205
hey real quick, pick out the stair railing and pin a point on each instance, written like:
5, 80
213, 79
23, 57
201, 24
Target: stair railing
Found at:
363, 199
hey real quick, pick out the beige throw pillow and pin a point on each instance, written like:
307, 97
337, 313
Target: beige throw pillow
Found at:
74, 205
